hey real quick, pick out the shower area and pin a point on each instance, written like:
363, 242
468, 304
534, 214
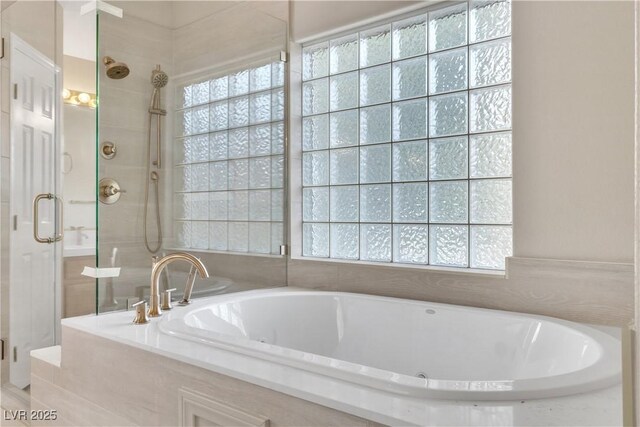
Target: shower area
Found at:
191, 147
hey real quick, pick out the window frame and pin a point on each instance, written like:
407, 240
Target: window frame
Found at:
296, 150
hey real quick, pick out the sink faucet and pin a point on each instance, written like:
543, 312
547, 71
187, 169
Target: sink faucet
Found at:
158, 267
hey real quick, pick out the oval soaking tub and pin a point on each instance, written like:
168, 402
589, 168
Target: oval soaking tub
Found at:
408, 347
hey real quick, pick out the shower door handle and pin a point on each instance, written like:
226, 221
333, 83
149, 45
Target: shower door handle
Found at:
58, 202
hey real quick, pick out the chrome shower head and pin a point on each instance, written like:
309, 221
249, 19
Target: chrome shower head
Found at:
115, 70
159, 78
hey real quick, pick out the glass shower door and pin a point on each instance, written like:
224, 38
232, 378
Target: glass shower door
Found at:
31, 202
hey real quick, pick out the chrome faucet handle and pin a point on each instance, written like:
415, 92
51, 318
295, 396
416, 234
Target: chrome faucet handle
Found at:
165, 300
141, 313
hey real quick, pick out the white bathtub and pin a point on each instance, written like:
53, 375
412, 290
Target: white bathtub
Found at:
389, 344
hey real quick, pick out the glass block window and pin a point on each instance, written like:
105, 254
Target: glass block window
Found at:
229, 162
407, 140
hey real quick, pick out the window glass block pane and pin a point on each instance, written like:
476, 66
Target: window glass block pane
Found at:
448, 158
375, 124
448, 114
315, 204
200, 93
277, 105
490, 155
259, 205
491, 201
410, 119
410, 202
200, 177
239, 236
343, 55
260, 172
410, 78
411, 244
239, 83
489, 20
260, 237
277, 171
277, 205
448, 202
491, 109
218, 116
259, 107
218, 236
196, 149
375, 46
277, 74
315, 97
219, 88
315, 132
200, 234
238, 174
182, 178
375, 163
315, 240
344, 91
181, 206
410, 37
277, 138
200, 119
344, 166
490, 245
343, 129
260, 140
218, 146
375, 242
344, 204
218, 206
375, 203
238, 143
182, 231
315, 168
239, 112
448, 245
448, 71
238, 205
448, 27
183, 123
490, 63
260, 78
345, 241
410, 161
315, 61
375, 85
183, 97
218, 176
200, 206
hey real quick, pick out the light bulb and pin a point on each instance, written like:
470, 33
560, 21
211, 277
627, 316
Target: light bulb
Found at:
84, 97
66, 93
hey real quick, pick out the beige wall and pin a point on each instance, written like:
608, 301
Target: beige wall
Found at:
573, 77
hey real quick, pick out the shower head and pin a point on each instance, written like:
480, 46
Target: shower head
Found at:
115, 70
159, 78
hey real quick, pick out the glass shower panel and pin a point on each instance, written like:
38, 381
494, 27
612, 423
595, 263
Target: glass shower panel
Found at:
219, 190
31, 193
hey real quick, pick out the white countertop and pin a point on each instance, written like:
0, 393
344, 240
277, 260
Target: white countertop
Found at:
600, 408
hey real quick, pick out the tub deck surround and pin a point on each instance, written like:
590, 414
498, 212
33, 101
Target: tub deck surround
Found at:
90, 344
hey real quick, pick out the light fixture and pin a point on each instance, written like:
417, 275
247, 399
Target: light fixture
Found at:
79, 99
84, 97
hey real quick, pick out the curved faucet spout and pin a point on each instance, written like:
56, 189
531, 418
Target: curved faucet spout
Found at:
154, 300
